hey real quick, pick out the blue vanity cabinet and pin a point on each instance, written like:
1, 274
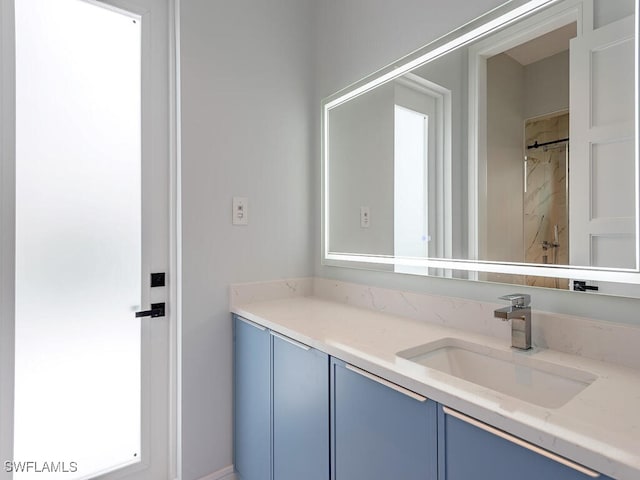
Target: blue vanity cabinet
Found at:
281, 406
300, 411
300, 414
379, 430
468, 448
252, 400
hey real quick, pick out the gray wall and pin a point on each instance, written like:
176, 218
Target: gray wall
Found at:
361, 174
357, 37
546, 85
607, 11
246, 130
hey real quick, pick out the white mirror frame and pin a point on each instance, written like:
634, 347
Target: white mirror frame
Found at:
502, 16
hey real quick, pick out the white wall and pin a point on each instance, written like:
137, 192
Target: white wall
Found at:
246, 130
546, 85
505, 162
357, 37
361, 173
452, 72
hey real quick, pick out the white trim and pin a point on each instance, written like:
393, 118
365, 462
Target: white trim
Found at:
7, 228
175, 246
637, 127
444, 214
226, 473
581, 273
324, 185
147, 134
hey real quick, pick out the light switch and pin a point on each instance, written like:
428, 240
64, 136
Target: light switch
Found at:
240, 211
364, 217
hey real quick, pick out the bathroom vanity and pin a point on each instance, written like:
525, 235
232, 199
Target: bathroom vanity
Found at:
324, 389
425, 172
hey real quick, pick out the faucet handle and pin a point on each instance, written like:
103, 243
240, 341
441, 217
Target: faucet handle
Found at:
518, 300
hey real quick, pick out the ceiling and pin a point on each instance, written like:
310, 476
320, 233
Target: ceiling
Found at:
544, 46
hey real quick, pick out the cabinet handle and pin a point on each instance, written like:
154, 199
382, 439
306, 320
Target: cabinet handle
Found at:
386, 383
520, 442
249, 322
291, 341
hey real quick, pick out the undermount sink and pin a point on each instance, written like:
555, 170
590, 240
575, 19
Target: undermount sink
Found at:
512, 373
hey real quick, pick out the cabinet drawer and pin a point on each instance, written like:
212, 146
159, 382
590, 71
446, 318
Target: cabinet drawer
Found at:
281, 406
252, 400
470, 449
300, 411
379, 430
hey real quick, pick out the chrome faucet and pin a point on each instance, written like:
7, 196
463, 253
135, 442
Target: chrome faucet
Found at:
519, 312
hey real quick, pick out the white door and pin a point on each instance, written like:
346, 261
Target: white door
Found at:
422, 151
88, 383
602, 177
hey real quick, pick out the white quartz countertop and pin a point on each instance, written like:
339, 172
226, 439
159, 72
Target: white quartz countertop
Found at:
599, 427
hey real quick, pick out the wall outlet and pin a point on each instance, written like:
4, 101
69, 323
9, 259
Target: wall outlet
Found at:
240, 211
364, 217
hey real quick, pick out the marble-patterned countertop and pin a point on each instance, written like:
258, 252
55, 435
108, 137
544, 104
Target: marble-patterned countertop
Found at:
599, 427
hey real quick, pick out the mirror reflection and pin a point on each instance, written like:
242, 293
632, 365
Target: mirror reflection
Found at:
518, 147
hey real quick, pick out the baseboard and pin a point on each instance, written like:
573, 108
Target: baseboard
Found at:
226, 473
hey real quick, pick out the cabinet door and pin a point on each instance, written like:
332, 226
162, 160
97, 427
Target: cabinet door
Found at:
300, 411
471, 449
252, 400
380, 431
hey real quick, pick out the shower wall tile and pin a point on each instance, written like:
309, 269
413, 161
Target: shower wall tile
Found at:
545, 199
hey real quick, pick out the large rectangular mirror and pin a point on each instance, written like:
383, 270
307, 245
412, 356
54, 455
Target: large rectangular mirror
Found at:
505, 151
